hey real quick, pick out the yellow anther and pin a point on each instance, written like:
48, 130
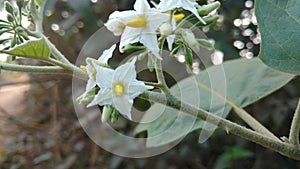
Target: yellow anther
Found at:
119, 89
137, 22
179, 16
83, 68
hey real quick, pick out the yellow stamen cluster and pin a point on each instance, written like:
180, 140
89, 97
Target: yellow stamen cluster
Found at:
119, 89
138, 22
83, 68
179, 16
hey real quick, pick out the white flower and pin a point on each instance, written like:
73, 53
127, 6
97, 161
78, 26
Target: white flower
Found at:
90, 69
190, 5
115, 24
138, 25
91, 63
118, 87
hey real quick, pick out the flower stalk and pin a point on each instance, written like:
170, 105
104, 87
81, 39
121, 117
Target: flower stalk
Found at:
230, 127
294, 132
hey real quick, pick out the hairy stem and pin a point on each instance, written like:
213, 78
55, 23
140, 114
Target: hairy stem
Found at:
294, 132
233, 128
55, 52
34, 69
157, 85
77, 72
160, 77
252, 122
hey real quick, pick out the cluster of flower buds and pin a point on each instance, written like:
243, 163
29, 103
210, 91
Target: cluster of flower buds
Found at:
13, 25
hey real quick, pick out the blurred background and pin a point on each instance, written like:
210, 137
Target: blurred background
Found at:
39, 128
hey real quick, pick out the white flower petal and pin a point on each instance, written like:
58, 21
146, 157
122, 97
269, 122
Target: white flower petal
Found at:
125, 73
170, 40
91, 82
116, 26
150, 41
118, 20
136, 88
124, 16
107, 54
104, 97
155, 19
191, 7
104, 76
130, 36
123, 105
167, 5
141, 6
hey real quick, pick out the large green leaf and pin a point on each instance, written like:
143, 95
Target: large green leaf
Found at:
279, 25
38, 49
240, 81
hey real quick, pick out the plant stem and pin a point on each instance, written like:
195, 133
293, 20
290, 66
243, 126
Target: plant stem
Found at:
183, 21
61, 59
157, 85
40, 18
294, 132
160, 77
70, 67
244, 115
34, 69
55, 52
280, 147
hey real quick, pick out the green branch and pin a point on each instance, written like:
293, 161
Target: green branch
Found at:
55, 52
294, 132
77, 72
233, 128
244, 115
34, 69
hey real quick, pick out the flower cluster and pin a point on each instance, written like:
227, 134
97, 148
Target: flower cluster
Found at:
116, 89
141, 24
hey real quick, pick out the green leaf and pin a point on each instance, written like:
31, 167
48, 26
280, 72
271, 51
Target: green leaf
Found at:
37, 49
39, 2
188, 56
240, 81
279, 25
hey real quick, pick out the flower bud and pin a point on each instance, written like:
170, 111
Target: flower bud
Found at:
114, 116
106, 112
166, 29
87, 97
206, 43
190, 39
206, 9
10, 18
20, 3
209, 19
9, 8
13, 43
